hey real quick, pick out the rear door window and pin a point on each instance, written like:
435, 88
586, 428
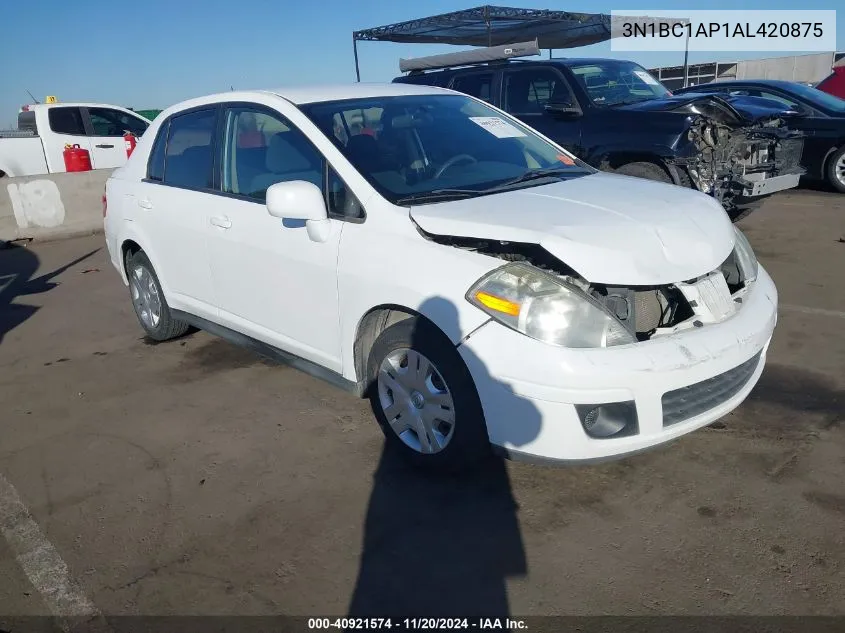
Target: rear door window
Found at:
109, 122
189, 155
528, 91
66, 121
479, 85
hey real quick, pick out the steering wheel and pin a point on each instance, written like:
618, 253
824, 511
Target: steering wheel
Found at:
452, 162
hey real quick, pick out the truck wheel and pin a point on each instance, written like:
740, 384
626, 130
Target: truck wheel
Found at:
424, 398
148, 300
649, 171
836, 170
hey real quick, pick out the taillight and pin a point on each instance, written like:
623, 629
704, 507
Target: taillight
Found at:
105, 205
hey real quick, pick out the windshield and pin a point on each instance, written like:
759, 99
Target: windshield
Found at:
609, 82
425, 148
819, 97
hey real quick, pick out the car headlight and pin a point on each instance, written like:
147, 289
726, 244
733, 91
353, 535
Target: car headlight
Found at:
745, 257
546, 308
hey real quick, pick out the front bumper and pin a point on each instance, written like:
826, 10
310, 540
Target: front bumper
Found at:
529, 389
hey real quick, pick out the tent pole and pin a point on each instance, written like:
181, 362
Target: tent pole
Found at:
355, 51
487, 22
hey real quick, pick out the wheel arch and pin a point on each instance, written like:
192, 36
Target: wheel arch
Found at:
373, 323
131, 242
825, 164
616, 158
370, 326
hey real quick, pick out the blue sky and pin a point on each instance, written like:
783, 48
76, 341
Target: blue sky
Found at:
153, 53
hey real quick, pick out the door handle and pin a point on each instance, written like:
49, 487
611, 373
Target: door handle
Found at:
105, 146
221, 222
145, 204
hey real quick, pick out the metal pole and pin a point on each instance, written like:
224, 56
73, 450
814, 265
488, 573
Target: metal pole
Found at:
487, 22
686, 62
355, 51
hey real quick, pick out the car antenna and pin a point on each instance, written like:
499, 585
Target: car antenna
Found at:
33, 98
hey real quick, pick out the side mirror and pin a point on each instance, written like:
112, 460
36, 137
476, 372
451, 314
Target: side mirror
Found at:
563, 108
300, 200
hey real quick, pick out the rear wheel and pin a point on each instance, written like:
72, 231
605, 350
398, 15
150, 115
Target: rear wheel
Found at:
148, 300
836, 170
424, 398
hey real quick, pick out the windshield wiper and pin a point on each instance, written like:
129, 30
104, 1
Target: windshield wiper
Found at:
627, 102
438, 194
535, 174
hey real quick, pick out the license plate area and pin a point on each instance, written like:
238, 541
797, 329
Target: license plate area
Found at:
709, 297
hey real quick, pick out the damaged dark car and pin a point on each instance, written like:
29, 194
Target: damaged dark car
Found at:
616, 116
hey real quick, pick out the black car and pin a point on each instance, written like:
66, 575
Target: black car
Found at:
820, 116
616, 116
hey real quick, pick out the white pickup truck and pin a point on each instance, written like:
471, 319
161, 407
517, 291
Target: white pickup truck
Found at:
37, 145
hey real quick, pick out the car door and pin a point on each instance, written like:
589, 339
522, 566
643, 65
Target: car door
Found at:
170, 205
527, 91
272, 281
106, 127
67, 127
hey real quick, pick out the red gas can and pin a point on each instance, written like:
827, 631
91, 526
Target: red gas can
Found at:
76, 158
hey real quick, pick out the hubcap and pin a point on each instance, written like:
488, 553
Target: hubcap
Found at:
839, 170
145, 297
416, 401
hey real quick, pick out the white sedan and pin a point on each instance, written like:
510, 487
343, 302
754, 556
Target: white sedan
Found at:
482, 286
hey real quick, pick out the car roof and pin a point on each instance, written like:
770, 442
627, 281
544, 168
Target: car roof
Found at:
563, 61
571, 61
75, 104
308, 94
774, 83
337, 92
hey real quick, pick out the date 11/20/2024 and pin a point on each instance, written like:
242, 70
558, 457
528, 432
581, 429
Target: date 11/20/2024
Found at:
415, 624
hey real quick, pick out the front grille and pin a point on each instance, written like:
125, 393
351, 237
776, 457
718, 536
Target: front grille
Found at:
687, 402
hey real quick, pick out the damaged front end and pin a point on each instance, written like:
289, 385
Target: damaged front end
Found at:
646, 312
740, 151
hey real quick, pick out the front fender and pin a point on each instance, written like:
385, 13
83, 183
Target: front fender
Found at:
410, 272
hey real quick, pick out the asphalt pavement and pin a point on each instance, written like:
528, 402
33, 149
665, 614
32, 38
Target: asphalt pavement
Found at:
194, 477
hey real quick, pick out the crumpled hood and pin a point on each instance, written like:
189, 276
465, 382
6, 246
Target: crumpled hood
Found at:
611, 229
739, 108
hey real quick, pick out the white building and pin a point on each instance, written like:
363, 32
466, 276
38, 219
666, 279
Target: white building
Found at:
801, 68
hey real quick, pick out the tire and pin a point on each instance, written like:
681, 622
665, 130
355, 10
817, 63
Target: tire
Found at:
649, 171
457, 439
148, 300
836, 170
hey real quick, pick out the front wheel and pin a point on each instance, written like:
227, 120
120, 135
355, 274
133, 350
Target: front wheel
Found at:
836, 170
424, 398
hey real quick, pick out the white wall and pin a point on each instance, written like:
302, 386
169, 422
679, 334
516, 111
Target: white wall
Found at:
52, 206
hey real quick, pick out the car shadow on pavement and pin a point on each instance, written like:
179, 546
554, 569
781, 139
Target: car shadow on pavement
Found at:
18, 264
441, 545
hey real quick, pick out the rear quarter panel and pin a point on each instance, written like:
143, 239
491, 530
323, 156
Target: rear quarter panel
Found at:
22, 156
